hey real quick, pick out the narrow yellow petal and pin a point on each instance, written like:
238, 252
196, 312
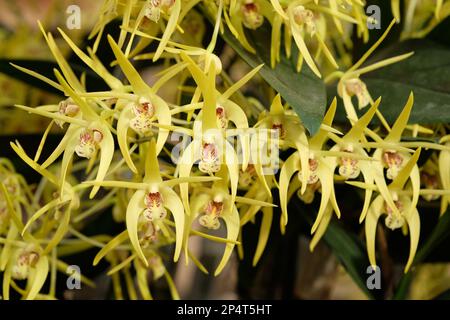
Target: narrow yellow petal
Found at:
368, 179
296, 33
326, 51
62, 62
357, 130
256, 152
70, 133
106, 155
85, 108
290, 166
47, 207
279, 9
38, 274
189, 156
134, 209
321, 136
266, 223
139, 86
175, 205
401, 122
232, 222
199, 265
38, 76
322, 228
233, 168
60, 231
112, 82
111, 245
254, 202
7, 281
372, 48
395, 7
170, 28
371, 228
172, 287
5, 255
123, 265
164, 117
325, 175
414, 233
152, 173
142, 282
402, 177
241, 82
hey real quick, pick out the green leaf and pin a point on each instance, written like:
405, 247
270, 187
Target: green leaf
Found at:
351, 253
304, 91
426, 73
45, 68
439, 234
347, 248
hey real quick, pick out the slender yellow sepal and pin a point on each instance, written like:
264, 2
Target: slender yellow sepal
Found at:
134, 210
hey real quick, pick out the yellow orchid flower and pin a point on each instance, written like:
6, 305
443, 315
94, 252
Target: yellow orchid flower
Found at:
210, 145
302, 22
290, 130
392, 156
350, 84
87, 133
152, 16
406, 211
209, 205
83, 137
205, 56
228, 112
26, 263
249, 14
152, 10
140, 111
352, 167
220, 176
146, 209
321, 169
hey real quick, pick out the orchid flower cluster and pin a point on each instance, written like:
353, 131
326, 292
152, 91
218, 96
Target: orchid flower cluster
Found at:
120, 147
